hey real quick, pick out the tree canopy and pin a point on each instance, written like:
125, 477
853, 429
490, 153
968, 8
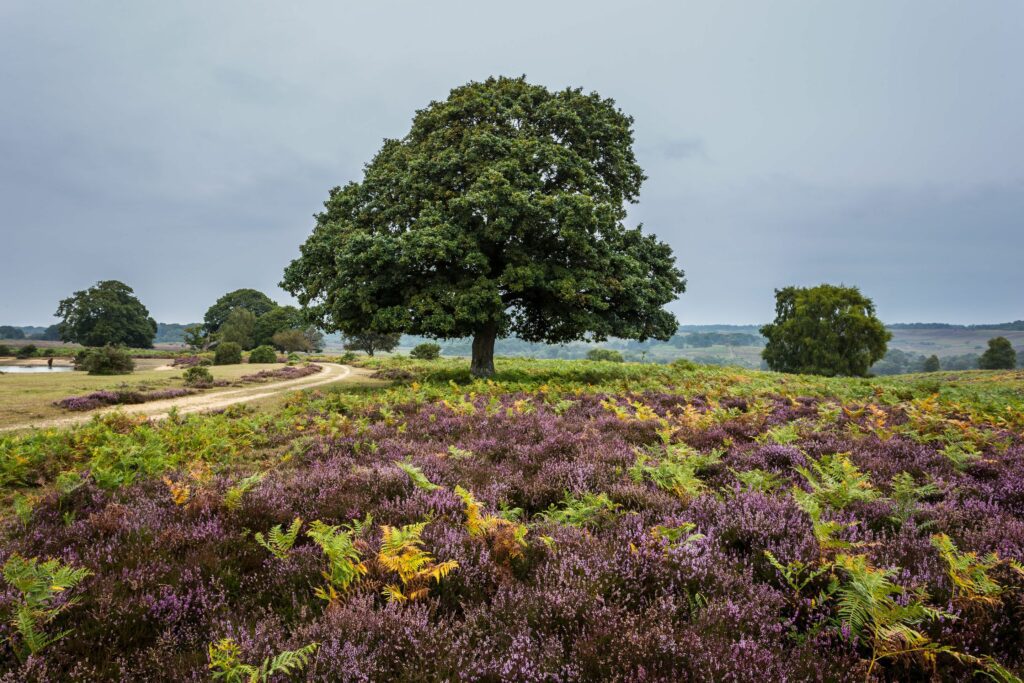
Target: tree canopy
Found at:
252, 300
371, 342
999, 355
107, 313
500, 212
824, 330
276, 320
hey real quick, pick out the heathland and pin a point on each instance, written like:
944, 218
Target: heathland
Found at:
560, 521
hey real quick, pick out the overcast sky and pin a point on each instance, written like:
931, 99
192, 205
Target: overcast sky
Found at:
182, 147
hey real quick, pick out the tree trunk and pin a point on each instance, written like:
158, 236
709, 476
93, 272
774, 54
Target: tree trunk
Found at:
483, 353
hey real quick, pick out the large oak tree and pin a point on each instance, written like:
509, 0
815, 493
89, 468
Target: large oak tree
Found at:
106, 313
500, 213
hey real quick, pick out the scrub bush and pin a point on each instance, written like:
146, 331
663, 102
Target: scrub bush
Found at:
227, 353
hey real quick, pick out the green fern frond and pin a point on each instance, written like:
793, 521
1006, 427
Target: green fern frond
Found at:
278, 541
416, 475
233, 496
38, 584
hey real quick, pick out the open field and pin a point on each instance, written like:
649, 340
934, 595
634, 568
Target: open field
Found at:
27, 399
569, 520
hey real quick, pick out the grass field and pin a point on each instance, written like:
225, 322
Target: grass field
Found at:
566, 520
29, 397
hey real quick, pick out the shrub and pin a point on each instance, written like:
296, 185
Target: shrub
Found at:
263, 354
5, 350
198, 376
106, 360
426, 351
609, 355
227, 353
27, 351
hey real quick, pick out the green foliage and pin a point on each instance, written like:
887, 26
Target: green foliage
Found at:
106, 313
27, 351
196, 337
798, 575
107, 360
969, 573
38, 584
344, 561
906, 494
834, 480
276, 320
263, 354
278, 541
291, 341
826, 531
227, 353
587, 509
782, 434
254, 301
609, 355
824, 330
500, 212
419, 479
238, 328
675, 536
198, 376
233, 496
998, 356
885, 615
226, 664
402, 552
759, 480
425, 351
371, 342
673, 474
931, 364
5, 350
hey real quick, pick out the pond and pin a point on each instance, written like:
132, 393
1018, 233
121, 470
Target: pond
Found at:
15, 369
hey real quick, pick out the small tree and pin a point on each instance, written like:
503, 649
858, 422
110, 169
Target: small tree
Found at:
371, 342
238, 328
998, 356
254, 301
931, 364
610, 355
426, 351
227, 353
196, 337
107, 313
290, 341
824, 330
502, 212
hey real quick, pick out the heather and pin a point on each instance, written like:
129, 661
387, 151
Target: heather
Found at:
563, 521
99, 399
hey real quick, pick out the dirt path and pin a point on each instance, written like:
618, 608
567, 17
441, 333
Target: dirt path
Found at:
158, 410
